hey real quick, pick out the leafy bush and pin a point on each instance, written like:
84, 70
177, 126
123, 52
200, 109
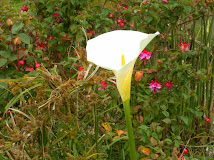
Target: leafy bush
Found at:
59, 106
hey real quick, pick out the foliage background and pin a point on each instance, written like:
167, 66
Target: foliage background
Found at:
57, 111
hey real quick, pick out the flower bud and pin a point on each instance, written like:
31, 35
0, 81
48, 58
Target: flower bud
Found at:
138, 76
185, 151
24, 9
17, 41
9, 22
21, 63
37, 65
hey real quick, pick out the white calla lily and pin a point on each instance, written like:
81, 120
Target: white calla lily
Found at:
118, 51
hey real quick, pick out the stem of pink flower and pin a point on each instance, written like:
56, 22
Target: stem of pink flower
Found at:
17, 59
11, 35
126, 106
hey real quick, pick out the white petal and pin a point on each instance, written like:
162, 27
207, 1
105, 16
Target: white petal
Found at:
106, 50
123, 80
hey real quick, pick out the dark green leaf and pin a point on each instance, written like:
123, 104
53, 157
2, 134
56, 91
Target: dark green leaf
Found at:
185, 119
24, 38
5, 54
3, 61
17, 27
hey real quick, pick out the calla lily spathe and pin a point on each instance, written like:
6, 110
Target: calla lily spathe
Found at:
118, 51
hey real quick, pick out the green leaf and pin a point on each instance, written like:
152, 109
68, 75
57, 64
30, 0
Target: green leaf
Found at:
149, 19
165, 113
74, 27
13, 58
5, 54
24, 38
2, 61
163, 107
168, 141
105, 11
17, 27
143, 127
185, 119
50, 9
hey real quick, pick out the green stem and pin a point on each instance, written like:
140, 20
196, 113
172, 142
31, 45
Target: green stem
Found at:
126, 106
96, 128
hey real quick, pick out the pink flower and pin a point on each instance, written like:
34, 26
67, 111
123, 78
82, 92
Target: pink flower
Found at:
59, 56
30, 18
59, 20
113, 84
79, 77
80, 68
132, 25
24, 9
207, 119
125, 7
154, 86
121, 24
111, 15
145, 56
169, 85
51, 38
91, 32
104, 86
165, 1
21, 63
37, 65
29, 69
144, 2
186, 47
183, 46
56, 15
185, 151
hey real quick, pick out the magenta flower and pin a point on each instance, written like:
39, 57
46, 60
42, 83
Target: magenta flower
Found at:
91, 32
165, 1
186, 47
169, 85
145, 56
56, 15
59, 20
104, 86
29, 69
183, 46
51, 38
144, 2
24, 9
154, 86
